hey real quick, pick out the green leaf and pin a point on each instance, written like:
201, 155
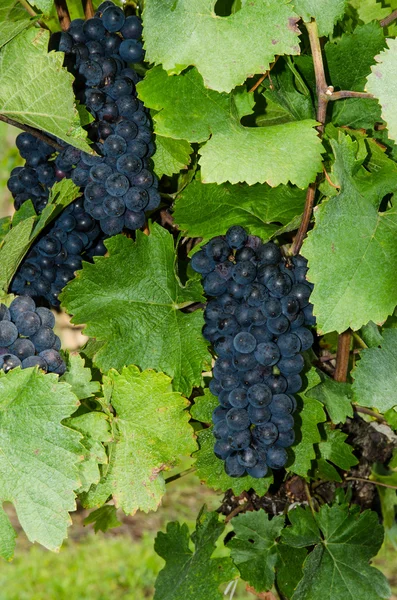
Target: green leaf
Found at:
13, 20
337, 398
78, 376
225, 50
61, 195
333, 448
376, 373
289, 569
382, 83
310, 414
40, 457
338, 567
371, 335
211, 470
203, 407
324, 470
103, 518
350, 237
326, 13
44, 6
13, 250
187, 573
151, 432
95, 428
140, 293
387, 496
348, 73
254, 547
188, 111
207, 210
37, 91
171, 156
369, 10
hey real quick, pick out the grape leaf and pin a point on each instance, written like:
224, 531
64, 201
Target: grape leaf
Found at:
151, 432
207, 210
187, 573
349, 63
349, 237
13, 20
211, 471
337, 398
203, 407
225, 50
13, 250
338, 535
333, 448
103, 518
37, 91
289, 570
369, 10
310, 413
326, 12
188, 111
95, 428
382, 84
375, 374
137, 291
171, 156
254, 547
44, 5
39, 463
78, 376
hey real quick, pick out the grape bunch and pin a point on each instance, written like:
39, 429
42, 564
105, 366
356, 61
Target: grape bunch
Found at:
52, 261
119, 185
256, 323
27, 338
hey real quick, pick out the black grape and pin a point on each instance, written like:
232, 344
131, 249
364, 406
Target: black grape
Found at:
256, 318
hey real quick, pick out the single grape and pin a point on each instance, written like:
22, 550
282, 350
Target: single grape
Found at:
214, 285
224, 346
292, 365
259, 470
276, 457
237, 419
258, 415
8, 333
228, 326
244, 362
219, 414
259, 395
232, 466
269, 254
279, 285
285, 439
301, 292
244, 272
217, 249
266, 434
281, 404
113, 18
215, 387
239, 440
236, 237
244, 342
247, 457
267, 354
131, 51
222, 449
305, 336
132, 28
28, 323
22, 348
283, 422
289, 344
272, 308
9, 361
221, 430
43, 339
202, 263
230, 382
294, 383
35, 361
238, 398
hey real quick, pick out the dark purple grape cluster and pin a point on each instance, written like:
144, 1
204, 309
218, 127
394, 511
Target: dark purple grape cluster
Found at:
52, 261
119, 184
257, 323
27, 338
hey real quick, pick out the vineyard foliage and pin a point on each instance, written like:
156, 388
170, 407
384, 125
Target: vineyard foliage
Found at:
259, 109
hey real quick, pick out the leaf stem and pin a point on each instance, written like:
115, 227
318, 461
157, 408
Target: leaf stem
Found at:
309, 498
32, 12
237, 510
63, 14
322, 101
388, 20
386, 485
368, 411
342, 356
263, 77
349, 94
179, 475
359, 341
38, 134
88, 8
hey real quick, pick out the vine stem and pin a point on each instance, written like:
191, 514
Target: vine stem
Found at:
63, 14
387, 20
322, 102
349, 94
386, 485
88, 8
237, 510
342, 356
38, 134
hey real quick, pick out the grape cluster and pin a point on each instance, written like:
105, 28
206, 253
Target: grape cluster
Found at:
51, 262
256, 322
27, 338
119, 185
